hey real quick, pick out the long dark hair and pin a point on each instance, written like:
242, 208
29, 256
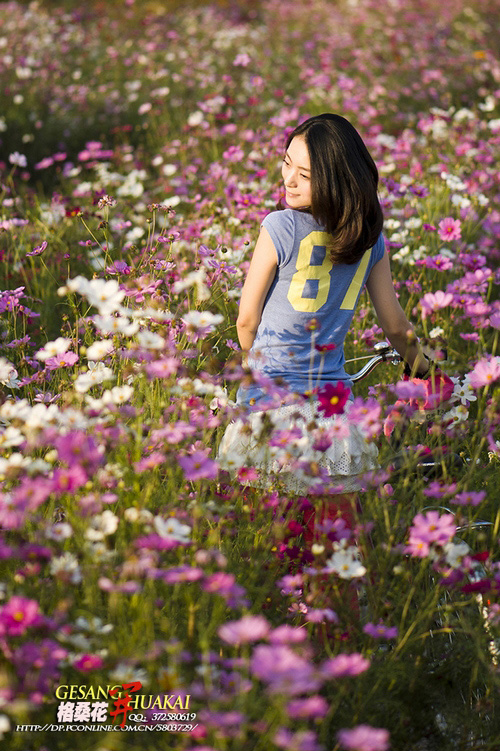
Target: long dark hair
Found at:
344, 181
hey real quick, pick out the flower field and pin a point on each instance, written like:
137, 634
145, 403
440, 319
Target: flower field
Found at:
140, 149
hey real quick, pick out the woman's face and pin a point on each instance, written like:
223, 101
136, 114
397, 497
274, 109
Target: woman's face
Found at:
296, 172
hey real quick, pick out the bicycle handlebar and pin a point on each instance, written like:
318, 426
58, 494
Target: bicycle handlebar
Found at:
384, 353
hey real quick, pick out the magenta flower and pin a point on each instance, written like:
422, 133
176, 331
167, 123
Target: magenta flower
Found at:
312, 706
68, 480
79, 447
19, 614
283, 670
345, 665
65, 360
86, 663
380, 631
450, 229
484, 373
319, 615
333, 398
439, 262
364, 738
38, 250
469, 498
302, 740
495, 320
429, 529
149, 462
285, 634
198, 466
248, 629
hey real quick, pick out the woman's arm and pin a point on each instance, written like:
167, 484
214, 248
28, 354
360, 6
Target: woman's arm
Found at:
257, 283
392, 319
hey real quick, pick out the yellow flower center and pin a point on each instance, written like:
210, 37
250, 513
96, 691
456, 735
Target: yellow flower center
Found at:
334, 400
19, 616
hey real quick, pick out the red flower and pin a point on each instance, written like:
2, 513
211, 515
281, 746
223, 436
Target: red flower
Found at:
333, 398
324, 347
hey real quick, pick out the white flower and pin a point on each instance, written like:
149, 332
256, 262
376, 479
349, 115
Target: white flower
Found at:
11, 410
193, 278
94, 625
202, 319
464, 114
96, 374
66, 568
58, 347
195, 118
117, 395
134, 514
345, 563
127, 674
169, 170
459, 413
14, 462
59, 532
98, 350
4, 725
455, 552
150, 340
41, 416
101, 526
435, 332
463, 391
488, 105
11, 436
8, 374
72, 419
18, 159
172, 529
109, 324
106, 295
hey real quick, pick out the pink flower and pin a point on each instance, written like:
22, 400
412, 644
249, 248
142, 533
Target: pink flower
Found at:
285, 634
439, 262
197, 466
149, 462
85, 663
333, 398
68, 480
364, 738
380, 631
429, 529
345, 665
285, 671
65, 360
38, 250
495, 320
485, 372
312, 706
248, 629
433, 301
450, 229
469, 498
19, 614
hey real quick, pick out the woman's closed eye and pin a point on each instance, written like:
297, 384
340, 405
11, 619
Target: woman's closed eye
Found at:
287, 164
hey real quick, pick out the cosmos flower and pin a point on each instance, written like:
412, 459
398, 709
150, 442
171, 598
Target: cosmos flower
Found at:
19, 614
332, 398
248, 629
364, 738
450, 229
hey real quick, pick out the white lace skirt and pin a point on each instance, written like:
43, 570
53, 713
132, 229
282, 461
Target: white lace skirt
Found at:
298, 449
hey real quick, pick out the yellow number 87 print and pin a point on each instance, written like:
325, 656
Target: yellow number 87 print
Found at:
310, 284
